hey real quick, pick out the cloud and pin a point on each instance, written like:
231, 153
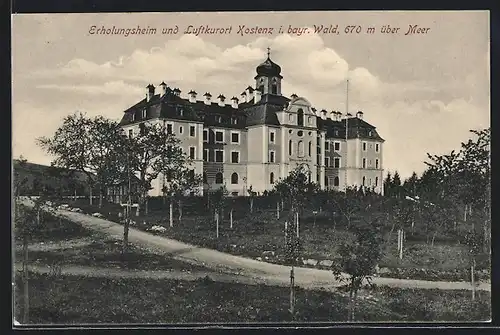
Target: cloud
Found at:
415, 117
108, 88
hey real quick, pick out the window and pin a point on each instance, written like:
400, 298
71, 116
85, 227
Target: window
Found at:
211, 156
169, 175
219, 119
376, 163
181, 112
133, 116
192, 131
191, 175
336, 146
218, 178
290, 117
364, 146
234, 120
181, 129
309, 150
364, 163
271, 178
310, 120
234, 178
235, 194
130, 133
301, 148
274, 87
376, 181
144, 113
169, 128
370, 133
219, 156
336, 181
336, 132
326, 181
205, 155
205, 179
300, 117
327, 146
370, 182
272, 154
290, 147
205, 135
377, 147
235, 157
235, 138
336, 162
271, 136
219, 136
364, 180
327, 161
300, 133
192, 152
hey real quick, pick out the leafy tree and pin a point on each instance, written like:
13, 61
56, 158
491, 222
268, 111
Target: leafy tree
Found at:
153, 150
349, 204
72, 145
358, 259
180, 182
388, 184
464, 176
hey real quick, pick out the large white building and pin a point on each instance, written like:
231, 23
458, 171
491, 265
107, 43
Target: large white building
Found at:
258, 138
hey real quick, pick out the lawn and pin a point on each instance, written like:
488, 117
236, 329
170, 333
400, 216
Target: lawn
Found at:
76, 300
260, 234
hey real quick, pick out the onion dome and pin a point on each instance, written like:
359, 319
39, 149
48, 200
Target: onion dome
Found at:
269, 69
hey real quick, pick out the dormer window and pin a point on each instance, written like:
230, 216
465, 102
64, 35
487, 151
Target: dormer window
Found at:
144, 113
370, 133
181, 111
234, 120
133, 116
219, 119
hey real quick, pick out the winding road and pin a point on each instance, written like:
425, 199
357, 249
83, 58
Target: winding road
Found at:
251, 270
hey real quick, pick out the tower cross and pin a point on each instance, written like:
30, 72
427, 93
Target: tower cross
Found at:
268, 51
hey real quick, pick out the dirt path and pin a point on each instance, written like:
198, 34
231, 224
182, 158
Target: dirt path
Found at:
53, 246
254, 270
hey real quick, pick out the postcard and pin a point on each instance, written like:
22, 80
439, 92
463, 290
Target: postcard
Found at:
247, 168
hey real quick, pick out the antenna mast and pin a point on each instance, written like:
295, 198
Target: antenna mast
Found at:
346, 132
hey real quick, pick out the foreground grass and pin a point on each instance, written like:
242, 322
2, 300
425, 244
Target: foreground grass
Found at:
76, 300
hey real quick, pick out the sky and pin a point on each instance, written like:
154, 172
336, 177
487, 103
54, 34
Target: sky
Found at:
422, 91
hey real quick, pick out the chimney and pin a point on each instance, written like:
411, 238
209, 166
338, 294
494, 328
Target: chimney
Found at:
338, 116
359, 115
192, 96
315, 112
294, 96
208, 98
333, 115
221, 100
150, 91
234, 102
163, 88
249, 91
257, 96
323, 114
244, 96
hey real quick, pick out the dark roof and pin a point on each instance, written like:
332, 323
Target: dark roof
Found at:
358, 128
269, 68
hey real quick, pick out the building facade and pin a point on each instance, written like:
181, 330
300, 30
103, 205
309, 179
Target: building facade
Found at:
258, 138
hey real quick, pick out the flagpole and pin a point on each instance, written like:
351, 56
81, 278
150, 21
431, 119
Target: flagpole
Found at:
346, 131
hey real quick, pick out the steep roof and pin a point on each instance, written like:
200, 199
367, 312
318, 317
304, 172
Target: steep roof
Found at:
358, 128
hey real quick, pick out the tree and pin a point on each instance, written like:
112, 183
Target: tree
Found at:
349, 203
396, 185
358, 259
105, 154
218, 202
388, 184
181, 181
473, 242
252, 194
87, 145
28, 219
72, 145
465, 176
152, 150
